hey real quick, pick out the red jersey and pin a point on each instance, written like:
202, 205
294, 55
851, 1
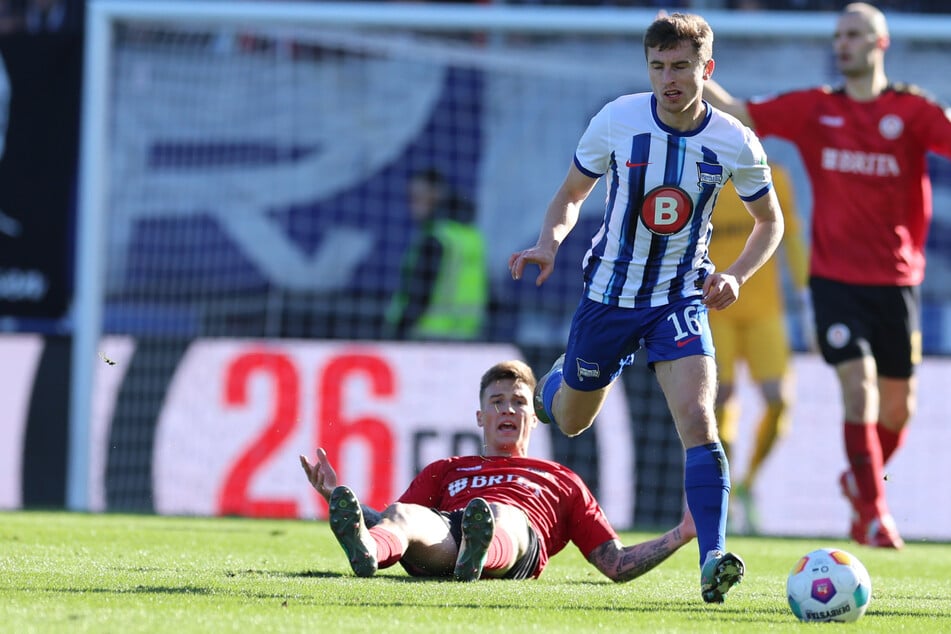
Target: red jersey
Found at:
559, 505
868, 169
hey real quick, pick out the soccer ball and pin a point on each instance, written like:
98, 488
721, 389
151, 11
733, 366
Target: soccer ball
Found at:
829, 584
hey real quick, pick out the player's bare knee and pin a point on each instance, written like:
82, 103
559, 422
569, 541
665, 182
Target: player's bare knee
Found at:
895, 416
573, 427
398, 513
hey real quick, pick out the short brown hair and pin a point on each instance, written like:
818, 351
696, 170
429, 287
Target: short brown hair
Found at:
669, 31
514, 370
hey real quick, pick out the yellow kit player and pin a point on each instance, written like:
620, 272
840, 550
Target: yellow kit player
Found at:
753, 330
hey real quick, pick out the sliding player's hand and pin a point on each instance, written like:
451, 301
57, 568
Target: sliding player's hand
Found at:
320, 474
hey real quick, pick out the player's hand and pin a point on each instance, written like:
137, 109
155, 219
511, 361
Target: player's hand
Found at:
720, 290
544, 258
320, 474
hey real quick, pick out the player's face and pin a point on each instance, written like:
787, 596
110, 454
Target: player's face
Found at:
677, 76
507, 418
857, 47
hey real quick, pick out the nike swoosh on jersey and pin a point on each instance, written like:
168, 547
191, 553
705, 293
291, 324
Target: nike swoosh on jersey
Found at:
684, 342
629, 164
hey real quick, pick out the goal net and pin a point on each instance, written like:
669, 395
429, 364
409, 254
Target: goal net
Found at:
247, 167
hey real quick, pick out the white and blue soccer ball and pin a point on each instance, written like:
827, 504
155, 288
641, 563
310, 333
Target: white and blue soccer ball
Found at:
829, 584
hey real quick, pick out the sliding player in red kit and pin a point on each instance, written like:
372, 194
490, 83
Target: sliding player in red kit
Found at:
500, 514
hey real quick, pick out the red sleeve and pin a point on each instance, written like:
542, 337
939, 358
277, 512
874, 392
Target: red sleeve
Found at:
426, 488
783, 115
936, 128
589, 526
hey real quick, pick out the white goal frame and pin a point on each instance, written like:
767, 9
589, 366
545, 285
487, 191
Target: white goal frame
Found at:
94, 179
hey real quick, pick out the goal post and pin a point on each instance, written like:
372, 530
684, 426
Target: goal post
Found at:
243, 164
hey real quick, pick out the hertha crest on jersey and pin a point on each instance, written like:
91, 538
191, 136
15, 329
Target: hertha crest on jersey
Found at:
709, 174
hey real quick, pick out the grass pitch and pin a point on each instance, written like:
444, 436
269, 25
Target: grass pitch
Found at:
65, 572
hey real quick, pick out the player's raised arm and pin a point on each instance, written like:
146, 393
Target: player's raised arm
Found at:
717, 96
320, 473
323, 478
560, 219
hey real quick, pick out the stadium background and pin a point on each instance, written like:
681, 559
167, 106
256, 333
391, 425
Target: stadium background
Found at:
256, 216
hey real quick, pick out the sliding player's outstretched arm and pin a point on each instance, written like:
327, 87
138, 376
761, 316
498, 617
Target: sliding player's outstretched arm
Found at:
622, 563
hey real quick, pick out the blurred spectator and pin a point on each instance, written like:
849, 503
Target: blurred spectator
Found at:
443, 291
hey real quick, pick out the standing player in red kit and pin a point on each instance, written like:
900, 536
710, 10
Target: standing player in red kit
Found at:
500, 514
865, 148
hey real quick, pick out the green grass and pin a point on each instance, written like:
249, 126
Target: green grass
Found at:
63, 572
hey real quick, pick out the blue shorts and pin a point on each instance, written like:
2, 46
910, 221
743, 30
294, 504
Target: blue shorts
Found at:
604, 339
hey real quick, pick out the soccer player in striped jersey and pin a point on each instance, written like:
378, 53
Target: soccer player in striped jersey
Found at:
865, 146
649, 281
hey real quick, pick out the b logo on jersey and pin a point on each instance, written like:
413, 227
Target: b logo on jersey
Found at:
666, 210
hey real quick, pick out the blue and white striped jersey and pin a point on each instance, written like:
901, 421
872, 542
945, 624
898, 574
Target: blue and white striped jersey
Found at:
662, 184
